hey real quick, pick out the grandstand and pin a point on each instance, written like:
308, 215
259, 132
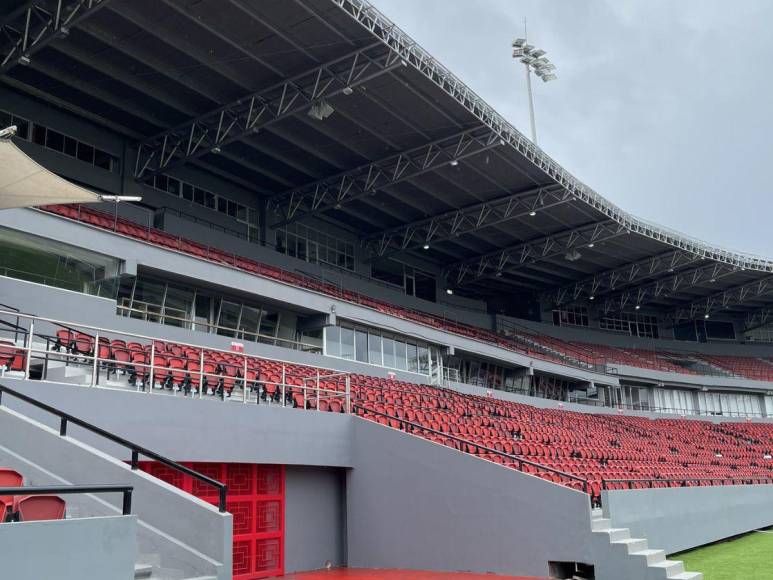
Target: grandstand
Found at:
281, 296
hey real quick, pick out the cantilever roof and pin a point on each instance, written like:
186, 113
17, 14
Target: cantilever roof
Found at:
326, 109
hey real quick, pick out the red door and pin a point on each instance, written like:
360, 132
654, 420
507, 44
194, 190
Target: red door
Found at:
256, 499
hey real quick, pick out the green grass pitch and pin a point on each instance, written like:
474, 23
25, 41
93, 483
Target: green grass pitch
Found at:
749, 557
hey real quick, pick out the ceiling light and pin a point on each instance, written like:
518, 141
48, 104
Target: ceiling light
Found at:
454, 163
705, 316
713, 280
532, 213
499, 274
320, 110
637, 307
572, 256
216, 150
670, 270
592, 297
347, 91
425, 246
449, 291
591, 245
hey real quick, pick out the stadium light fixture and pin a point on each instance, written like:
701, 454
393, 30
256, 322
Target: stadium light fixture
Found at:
637, 307
592, 297
449, 291
425, 246
705, 316
534, 61
120, 198
532, 213
591, 245
347, 91
320, 110
454, 163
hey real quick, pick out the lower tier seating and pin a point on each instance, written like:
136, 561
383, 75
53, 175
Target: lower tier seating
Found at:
27, 508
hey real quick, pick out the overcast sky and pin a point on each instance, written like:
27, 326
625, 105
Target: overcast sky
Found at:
663, 107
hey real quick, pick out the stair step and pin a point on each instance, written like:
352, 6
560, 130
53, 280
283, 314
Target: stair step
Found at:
632, 544
687, 576
672, 567
617, 534
652, 556
601, 525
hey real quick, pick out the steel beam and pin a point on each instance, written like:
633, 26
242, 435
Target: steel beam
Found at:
663, 287
28, 31
616, 278
247, 115
455, 223
337, 190
520, 255
720, 301
758, 318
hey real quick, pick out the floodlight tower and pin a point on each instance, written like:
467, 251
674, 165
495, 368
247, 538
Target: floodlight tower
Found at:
534, 60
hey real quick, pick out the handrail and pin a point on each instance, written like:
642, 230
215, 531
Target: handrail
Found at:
126, 490
683, 480
519, 461
136, 450
68, 325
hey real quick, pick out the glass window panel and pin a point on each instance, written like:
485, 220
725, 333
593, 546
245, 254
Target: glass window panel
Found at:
389, 353
173, 186
241, 213
187, 192
248, 325
401, 356
413, 358
39, 134
178, 305
209, 199
374, 349
162, 182
347, 343
222, 205
85, 153
228, 318
333, 340
361, 346
70, 147
198, 196
269, 324
22, 127
104, 160
54, 140
281, 242
231, 209
423, 359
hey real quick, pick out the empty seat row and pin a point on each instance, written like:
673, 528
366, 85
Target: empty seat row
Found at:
27, 508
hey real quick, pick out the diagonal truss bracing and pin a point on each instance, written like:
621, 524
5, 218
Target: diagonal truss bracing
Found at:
466, 220
664, 287
35, 24
530, 252
622, 276
247, 115
719, 301
337, 190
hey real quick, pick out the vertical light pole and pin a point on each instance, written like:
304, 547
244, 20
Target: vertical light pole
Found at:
534, 60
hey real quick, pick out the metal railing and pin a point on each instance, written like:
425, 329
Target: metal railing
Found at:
152, 370
136, 450
126, 490
519, 462
653, 483
155, 313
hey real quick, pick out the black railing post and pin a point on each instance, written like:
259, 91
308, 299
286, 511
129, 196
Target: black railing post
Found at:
63, 427
135, 459
127, 502
222, 495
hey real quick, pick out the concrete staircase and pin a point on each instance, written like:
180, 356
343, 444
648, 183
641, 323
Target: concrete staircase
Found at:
655, 560
145, 571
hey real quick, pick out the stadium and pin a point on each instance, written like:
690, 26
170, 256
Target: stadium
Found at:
280, 295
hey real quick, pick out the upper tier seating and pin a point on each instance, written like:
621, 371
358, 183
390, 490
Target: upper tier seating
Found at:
161, 238
580, 354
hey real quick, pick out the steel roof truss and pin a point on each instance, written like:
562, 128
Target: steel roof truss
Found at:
247, 115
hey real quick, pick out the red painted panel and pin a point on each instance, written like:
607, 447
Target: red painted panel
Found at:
256, 500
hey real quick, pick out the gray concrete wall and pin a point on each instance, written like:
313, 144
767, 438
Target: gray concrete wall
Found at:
188, 534
315, 518
79, 549
186, 429
418, 505
682, 518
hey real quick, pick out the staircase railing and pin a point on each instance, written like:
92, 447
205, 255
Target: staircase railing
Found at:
136, 450
126, 490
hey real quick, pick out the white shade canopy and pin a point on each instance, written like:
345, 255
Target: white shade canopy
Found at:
26, 183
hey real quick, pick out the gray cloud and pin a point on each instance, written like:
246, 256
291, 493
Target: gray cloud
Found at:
663, 107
